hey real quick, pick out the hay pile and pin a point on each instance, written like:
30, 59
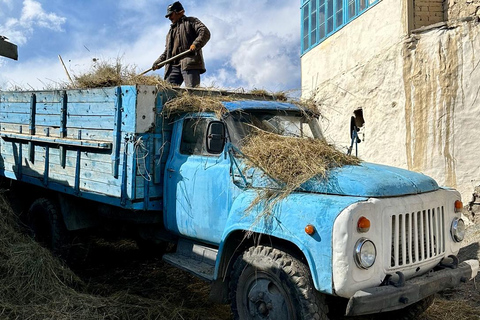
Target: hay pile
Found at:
187, 102
36, 285
105, 74
290, 161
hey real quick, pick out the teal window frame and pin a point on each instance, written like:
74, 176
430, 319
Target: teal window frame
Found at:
322, 18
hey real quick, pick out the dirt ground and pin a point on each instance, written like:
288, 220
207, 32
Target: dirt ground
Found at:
113, 266
462, 302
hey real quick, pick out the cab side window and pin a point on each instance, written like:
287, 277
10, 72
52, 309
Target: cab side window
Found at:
194, 136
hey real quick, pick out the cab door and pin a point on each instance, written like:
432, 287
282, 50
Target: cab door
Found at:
197, 182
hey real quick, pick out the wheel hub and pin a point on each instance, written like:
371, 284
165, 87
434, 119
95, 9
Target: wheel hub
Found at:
266, 300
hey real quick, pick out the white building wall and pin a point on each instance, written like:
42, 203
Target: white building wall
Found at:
420, 95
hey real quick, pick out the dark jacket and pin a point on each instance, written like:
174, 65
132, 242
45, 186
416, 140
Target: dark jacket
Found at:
191, 31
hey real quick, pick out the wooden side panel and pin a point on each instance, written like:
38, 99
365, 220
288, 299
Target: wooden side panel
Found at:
107, 114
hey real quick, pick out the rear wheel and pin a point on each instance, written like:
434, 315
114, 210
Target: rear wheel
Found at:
47, 226
267, 283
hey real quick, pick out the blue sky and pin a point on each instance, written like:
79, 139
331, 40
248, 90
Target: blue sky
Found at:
254, 44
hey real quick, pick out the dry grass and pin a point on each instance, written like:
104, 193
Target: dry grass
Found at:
36, 285
187, 102
106, 74
443, 309
290, 161
279, 96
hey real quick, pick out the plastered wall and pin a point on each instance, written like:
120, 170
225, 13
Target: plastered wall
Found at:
420, 95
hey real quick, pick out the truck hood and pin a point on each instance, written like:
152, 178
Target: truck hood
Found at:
371, 180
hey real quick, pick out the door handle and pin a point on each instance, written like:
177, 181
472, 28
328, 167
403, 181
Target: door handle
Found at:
170, 170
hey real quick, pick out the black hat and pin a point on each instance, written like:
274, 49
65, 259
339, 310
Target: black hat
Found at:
174, 7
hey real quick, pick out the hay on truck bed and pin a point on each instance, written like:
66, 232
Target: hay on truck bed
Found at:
104, 74
290, 161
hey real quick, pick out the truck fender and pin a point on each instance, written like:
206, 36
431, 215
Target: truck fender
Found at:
285, 227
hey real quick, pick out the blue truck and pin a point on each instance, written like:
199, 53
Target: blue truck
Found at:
368, 239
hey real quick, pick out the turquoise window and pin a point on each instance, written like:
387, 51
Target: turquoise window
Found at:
322, 18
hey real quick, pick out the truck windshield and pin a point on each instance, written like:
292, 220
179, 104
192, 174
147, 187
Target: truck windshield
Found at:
293, 124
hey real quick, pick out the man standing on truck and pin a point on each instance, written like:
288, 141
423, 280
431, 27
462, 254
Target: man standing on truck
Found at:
186, 33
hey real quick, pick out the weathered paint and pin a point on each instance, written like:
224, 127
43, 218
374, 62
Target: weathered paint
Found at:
259, 105
198, 192
288, 221
371, 180
96, 145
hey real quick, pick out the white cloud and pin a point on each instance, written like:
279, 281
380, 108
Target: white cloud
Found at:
259, 40
254, 43
32, 16
265, 61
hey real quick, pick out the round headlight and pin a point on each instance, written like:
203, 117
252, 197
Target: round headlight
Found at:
458, 230
365, 253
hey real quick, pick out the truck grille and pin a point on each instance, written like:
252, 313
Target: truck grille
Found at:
417, 236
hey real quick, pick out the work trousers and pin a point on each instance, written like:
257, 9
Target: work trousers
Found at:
177, 76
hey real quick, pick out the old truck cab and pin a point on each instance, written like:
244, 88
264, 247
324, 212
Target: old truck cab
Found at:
375, 237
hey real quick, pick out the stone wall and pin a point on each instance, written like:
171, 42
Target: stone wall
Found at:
458, 9
427, 12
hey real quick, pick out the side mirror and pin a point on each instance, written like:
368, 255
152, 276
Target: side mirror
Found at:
215, 137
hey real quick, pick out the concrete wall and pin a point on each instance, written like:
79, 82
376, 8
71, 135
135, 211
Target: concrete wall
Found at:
420, 94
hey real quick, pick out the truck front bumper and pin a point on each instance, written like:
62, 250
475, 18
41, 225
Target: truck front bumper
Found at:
388, 298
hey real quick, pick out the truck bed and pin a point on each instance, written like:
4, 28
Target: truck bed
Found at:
106, 144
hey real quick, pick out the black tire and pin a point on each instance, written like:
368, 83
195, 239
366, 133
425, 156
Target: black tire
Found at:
267, 283
47, 226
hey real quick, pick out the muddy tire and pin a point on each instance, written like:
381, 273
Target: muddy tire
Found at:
267, 283
47, 226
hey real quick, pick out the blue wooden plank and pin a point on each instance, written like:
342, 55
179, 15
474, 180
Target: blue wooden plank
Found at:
80, 122
42, 167
57, 141
92, 95
97, 182
24, 96
155, 204
74, 108
90, 161
88, 134
84, 185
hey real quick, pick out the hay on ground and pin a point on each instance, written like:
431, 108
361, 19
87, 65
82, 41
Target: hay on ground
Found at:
36, 285
457, 309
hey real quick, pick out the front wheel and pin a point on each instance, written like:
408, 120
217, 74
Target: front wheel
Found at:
267, 283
